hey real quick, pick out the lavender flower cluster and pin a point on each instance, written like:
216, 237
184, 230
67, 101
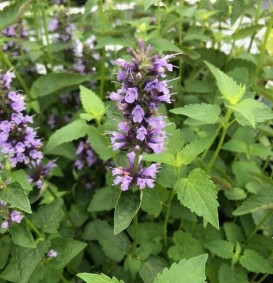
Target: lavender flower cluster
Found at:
18, 140
11, 216
85, 155
143, 89
14, 32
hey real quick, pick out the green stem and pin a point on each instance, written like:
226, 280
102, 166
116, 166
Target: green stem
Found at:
49, 55
263, 47
135, 226
259, 225
180, 37
262, 278
103, 59
34, 228
63, 207
221, 141
136, 162
19, 78
158, 18
258, 11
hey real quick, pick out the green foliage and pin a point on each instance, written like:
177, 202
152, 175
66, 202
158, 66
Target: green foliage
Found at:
102, 278
198, 193
183, 271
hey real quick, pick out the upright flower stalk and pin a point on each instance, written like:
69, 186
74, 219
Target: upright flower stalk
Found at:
143, 89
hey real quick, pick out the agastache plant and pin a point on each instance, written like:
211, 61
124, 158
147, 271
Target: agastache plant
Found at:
18, 140
143, 89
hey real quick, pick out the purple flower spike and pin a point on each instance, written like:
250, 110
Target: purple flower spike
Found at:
138, 114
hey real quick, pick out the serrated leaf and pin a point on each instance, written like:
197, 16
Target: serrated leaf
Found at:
113, 246
21, 177
103, 199
234, 233
91, 103
14, 195
254, 262
251, 112
230, 90
228, 274
191, 150
165, 157
98, 278
199, 194
21, 235
184, 271
51, 83
235, 146
126, 208
67, 249
221, 248
262, 200
28, 260
207, 113
49, 217
68, 133
99, 143
181, 248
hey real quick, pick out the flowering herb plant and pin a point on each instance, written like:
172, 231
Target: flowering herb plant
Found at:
136, 141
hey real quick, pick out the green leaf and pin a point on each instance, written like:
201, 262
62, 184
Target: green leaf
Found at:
68, 133
67, 249
91, 103
186, 271
21, 235
262, 200
230, 90
114, 246
246, 31
254, 262
12, 12
251, 112
14, 195
221, 248
5, 244
191, 150
126, 208
151, 268
165, 157
199, 194
87, 8
181, 248
49, 217
28, 260
162, 44
98, 278
103, 199
228, 274
51, 83
235, 194
207, 113
235, 146
21, 177
234, 233
99, 143
153, 199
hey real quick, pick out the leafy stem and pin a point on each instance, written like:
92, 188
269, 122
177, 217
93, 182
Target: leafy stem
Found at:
225, 127
39, 234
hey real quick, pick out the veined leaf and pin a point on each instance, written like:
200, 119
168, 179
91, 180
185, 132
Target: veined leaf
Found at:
165, 157
263, 200
199, 194
91, 103
234, 274
230, 90
207, 113
191, 150
251, 112
254, 262
184, 270
73, 131
221, 248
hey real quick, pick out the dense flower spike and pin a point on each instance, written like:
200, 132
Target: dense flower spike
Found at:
142, 90
10, 216
85, 155
126, 177
18, 140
